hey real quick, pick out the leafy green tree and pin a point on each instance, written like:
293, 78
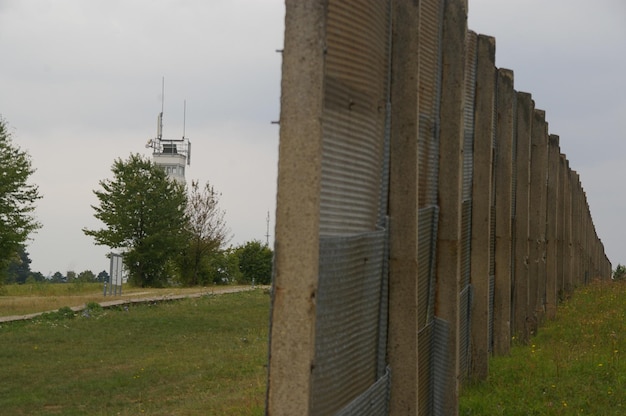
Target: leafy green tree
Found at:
144, 213
86, 276
208, 233
620, 272
57, 277
224, 267
37, 277
18, 269
255, 262
70, 276
17, 197
103, 276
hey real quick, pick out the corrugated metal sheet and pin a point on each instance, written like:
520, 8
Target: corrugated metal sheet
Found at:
354, 117
383, 317
347, 319
492, 294
373, 402
429, 98
425, 364
466, 241
465, 303
440, 366
427, 240
492, 239
468, 114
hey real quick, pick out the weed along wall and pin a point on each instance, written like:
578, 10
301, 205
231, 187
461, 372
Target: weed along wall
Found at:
425, 213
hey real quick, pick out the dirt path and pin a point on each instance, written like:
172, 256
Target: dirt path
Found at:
131, 299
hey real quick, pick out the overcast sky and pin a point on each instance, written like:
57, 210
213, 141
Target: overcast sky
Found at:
80, 85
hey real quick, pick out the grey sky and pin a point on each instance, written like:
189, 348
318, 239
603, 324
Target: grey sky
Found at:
80, 85
571, 56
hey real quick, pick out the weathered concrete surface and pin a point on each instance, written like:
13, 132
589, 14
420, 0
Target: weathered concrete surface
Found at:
296, 256
402, 344
448, 267
482, 201
525, 108
504, 211
537, 223
553, 193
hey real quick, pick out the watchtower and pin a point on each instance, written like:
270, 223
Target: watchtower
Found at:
171, 154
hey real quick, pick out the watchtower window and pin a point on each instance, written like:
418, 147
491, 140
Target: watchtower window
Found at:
169, 148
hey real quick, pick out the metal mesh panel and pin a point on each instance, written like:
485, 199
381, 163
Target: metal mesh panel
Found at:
466, 241
492, 271
468, 114
427, 237
492, 240
429, 99
466, 208
425, 364
441, 335
355, 103
428, 218
347, 321
373, 402
383, 318
492, 294
465, 303
432, 339
384, 185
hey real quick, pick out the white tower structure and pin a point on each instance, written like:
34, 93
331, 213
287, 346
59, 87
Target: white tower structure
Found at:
171, 154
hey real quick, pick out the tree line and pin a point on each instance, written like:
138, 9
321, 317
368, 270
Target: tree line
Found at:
168, 234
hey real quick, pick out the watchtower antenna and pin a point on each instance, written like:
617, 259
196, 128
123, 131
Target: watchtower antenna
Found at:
184, 116
160, 119
267, 232
170, 154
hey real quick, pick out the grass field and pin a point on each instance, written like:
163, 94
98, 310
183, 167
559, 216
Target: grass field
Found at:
202, 356
574, 366
207, 356
40, 297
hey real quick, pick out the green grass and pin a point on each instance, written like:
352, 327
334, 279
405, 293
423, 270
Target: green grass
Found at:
39, 297
189, 357
574, 366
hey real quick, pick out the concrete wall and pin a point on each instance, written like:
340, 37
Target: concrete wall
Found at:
481, 204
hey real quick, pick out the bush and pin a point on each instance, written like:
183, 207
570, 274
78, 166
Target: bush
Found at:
255, 262
63, 313
619, 273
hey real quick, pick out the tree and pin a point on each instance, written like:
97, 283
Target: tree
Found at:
255, 262
18, 269
57, 277
103, 276
620, 272
223, 267
17, 197
208, 233
36, 277
86, 276
144, 214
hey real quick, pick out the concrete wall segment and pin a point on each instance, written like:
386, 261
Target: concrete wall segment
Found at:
504, 200
298, 208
